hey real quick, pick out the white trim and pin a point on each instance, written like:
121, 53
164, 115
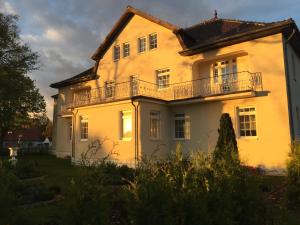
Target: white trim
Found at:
238, 121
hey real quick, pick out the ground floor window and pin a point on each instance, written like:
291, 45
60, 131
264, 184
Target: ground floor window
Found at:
181, 126
83, 128
154, 125
247, 121
126, 125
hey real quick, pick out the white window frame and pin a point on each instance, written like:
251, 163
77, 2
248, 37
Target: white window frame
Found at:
249, 112
154, 115
84, 121
127, 114
126, 49
186, 126
152, 41
142, 46
163, 78
224, 69
116, 53
109, 88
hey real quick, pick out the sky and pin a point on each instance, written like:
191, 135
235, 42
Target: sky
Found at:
65, 33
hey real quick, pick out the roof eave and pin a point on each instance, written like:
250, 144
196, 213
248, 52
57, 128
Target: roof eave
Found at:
238, 38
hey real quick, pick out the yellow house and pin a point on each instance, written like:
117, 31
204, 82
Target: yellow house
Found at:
155, 85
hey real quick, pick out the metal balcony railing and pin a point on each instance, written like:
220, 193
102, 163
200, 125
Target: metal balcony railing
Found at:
210, 86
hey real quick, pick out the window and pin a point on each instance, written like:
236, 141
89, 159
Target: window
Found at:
109, 89
126, 50
154, 125
83, 128
152, 41
247, 121
141, 44
225, 71
126, 125
163, 78
182, 126
116, 53
82, 96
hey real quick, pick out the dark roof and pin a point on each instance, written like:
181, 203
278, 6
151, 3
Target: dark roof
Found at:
28, 134
216, 33
121, 23
84, 76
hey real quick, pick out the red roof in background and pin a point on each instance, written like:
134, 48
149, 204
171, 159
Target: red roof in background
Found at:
28, 134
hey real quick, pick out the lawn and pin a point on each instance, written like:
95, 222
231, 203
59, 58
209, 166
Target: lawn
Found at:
57, 172
60, 172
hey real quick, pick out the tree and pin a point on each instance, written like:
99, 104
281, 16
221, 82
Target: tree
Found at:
226, 149
18, 94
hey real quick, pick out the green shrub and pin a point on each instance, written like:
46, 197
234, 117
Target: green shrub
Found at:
225, 155
27, 169
293, 176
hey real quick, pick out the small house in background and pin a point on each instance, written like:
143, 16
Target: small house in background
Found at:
29, 138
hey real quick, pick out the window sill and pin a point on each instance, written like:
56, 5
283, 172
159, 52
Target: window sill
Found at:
84, 140
181, 139
154, 139
248, 138
126, 139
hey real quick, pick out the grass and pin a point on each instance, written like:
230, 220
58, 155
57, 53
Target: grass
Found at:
60, 172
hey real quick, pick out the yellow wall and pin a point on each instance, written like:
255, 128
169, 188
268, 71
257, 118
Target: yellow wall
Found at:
263, 55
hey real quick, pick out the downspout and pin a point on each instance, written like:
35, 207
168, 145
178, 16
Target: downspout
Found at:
287, 75
136, 144
73, 132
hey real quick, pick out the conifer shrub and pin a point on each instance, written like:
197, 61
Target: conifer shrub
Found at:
225, 155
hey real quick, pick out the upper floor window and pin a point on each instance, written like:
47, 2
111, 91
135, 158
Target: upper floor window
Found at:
116, 53
247, 121
181, 126
126, 49
154, 125
84, 128
109, 89
225, 71
152, 41
82, 95
126, 125
141, 44
163, 78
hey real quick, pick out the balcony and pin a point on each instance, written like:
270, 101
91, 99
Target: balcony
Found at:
205, 87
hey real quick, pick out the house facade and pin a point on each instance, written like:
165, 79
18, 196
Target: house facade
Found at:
155, 85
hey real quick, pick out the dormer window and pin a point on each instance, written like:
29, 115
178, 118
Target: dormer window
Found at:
141, 44
116, 52
152, 41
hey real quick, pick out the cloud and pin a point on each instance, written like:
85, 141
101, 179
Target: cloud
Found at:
6, 7
66, 33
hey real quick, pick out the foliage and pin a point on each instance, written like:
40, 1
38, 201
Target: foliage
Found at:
226, 150
293, 176
18, 94
185, 190
27, 169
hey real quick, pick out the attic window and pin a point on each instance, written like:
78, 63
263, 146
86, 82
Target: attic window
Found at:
141, 44
152, 41
116, 53
126, 50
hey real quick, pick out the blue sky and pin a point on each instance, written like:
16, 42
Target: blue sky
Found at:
66, 32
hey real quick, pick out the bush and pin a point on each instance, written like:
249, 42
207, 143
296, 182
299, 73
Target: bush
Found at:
226, 154
293, 177
27, 169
